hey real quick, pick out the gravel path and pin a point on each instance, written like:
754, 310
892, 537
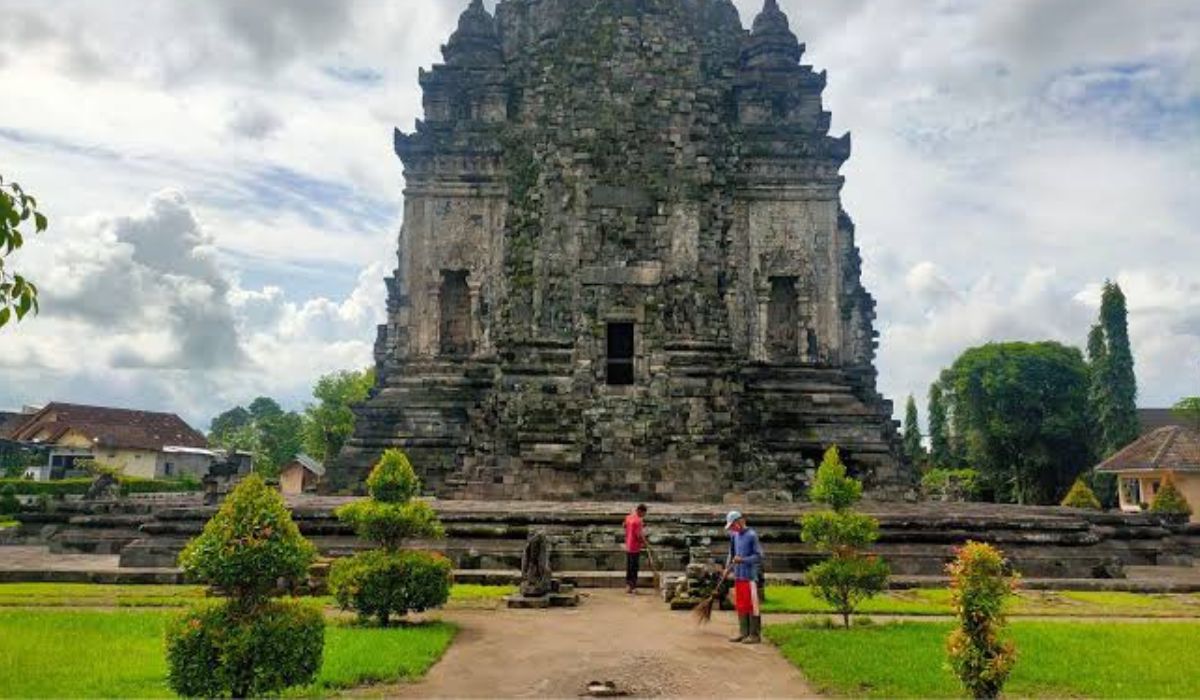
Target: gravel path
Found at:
635, 642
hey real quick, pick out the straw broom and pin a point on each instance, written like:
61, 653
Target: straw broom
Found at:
703, 612
654, 565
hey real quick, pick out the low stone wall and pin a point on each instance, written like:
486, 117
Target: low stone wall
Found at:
917, 539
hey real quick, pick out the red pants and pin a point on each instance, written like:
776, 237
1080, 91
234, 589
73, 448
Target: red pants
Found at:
745, 597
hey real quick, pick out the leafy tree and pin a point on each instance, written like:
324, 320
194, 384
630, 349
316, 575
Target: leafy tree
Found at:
913, 449
18, 211
1113, 390
850, 575
1023, 414
1188, 411
951, 485
979, 587
248, 645
1081, 496
228, 423
273, 435
940, 456
329, 422
391, 581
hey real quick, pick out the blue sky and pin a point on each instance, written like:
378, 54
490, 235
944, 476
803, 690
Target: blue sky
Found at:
225, 201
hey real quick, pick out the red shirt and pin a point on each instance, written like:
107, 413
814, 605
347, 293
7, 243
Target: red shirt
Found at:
633, 533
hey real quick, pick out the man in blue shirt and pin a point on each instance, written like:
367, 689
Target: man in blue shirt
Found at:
745, 562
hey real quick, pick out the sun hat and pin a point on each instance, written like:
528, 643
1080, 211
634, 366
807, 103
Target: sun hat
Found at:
733, 517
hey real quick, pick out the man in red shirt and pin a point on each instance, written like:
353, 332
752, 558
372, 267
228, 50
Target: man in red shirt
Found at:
635, 540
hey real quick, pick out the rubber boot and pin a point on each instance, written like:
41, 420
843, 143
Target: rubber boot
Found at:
755, 635
743, 629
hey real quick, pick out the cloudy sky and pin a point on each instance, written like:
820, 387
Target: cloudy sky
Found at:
224, 200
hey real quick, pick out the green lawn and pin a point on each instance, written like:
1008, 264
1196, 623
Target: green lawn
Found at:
87, 595
1056, 659
799, 599
58, 653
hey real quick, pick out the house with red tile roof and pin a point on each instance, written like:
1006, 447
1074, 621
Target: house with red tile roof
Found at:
1141, 467
143, 444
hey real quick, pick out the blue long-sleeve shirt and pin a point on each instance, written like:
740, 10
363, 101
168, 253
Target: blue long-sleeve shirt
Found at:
745, 544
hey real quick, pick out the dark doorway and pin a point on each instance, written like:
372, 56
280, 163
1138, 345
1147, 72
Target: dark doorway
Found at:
620, 354
455, 331
783, 326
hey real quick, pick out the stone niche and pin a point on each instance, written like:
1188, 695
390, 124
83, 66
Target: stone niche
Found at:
624, 271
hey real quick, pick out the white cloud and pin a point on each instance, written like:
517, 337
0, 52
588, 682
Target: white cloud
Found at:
1009, 157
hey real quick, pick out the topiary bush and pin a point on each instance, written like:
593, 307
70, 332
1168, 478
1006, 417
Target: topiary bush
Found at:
850, 575
979, 587
1168, 500
9, 505
381, 584
213, 650
249, 545
248, 645
1081, 496
393, 480
390, 582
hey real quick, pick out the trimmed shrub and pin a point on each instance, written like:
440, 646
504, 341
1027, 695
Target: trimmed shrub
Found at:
9, 504
1168, 500
79, 487
247, 646
215, 651
1081, 496
389, 524
393, 479
951, 485
390, 582
384, 584
979, 588
249, 545
849, 576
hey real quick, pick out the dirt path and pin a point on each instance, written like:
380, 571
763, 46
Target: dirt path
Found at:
638, 643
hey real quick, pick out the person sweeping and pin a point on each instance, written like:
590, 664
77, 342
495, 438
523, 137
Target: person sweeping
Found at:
635, 542
745, 562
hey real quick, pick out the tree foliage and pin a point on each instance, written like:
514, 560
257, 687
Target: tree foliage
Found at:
850, 575
940, 456
19, 217
1113, 389
951, 485
1021, 412
329, 422
263, 428
1188, 411
979, 588
913, 449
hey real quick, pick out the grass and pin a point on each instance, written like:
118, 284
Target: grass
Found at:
87, 595
119, 653
1056, 659
799, 599
7, 522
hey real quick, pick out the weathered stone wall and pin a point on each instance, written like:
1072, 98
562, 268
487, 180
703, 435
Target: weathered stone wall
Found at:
584, 163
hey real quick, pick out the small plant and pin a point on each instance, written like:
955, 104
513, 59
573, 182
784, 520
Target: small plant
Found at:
391, 582
979, 589
1168, 500
247, 645
850, 575
1081, 496
9, 505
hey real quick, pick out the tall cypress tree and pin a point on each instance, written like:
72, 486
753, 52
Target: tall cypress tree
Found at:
939, 440
912, 434
1116, 410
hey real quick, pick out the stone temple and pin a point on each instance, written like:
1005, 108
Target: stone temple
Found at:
624, 269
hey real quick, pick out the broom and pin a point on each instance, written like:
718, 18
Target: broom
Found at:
654, 565
703, 612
